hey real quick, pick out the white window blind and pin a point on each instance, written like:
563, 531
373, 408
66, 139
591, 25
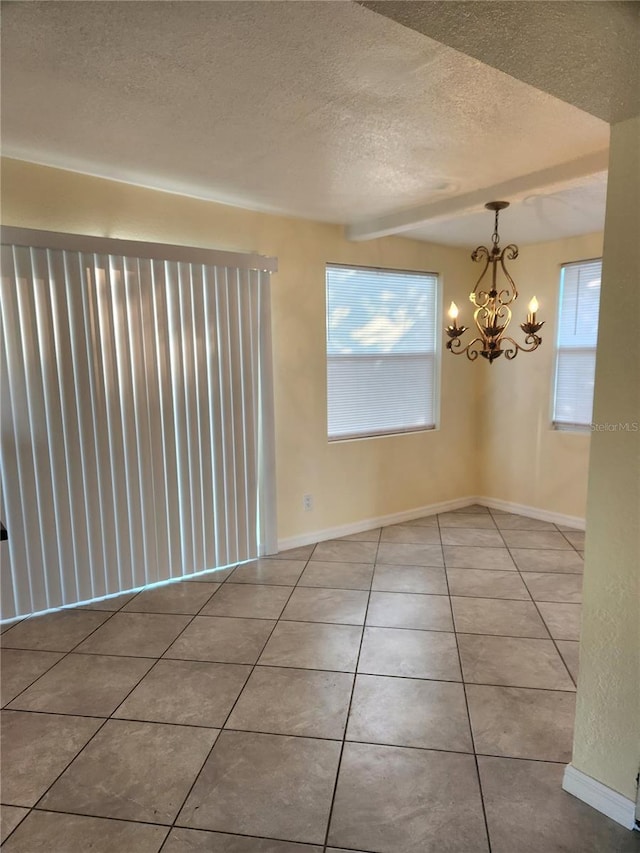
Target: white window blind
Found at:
576, 344
381, 351
136, 420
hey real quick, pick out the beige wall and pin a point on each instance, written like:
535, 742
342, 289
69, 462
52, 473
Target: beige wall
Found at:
607, 731
350, 481
526, 460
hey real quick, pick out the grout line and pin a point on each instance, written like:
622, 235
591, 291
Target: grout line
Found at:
107, 719
466, 702
353, 688
204, 763
551, 637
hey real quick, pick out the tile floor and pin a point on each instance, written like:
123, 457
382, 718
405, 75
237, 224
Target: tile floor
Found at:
404, 690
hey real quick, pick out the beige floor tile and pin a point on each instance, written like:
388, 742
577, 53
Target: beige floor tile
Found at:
265, 785
546, 586
570, 652
66, 833
414, 654
483, 583
222, 639
10, 817
529, 560
471, 538
115, 602
410, 610
507, 521
364, 536
179, 597
270, 571
301, 702
471, 508
516, 792
303, 552
88, 685
576, 538
425, 579
256, 601
313, 645
562, 620
411, 534
521, 723
19, 668
139, 634
497, 616
409, 712
393, 554
466, 557
133, 771
344, 606
53, 632
424, 521
339, 551
337, 575
35, 750
192, 693
543, 539
202, 841
214, 576
382, 796
476, 520
513, 662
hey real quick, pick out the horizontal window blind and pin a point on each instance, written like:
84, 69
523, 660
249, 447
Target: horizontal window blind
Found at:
576, 344
381, 351
135, 425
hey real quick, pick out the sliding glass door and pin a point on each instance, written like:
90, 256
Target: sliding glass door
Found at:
136, 422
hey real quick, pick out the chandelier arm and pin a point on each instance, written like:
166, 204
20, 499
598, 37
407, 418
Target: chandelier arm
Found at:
480, 297
532, 341
511, 251
455, 345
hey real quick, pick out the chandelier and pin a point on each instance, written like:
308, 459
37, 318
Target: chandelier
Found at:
492, 313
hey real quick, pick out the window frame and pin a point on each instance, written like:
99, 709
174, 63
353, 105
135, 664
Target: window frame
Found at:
561, 426
436, 355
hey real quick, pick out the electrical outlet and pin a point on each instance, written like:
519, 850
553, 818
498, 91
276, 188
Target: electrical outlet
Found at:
307, 503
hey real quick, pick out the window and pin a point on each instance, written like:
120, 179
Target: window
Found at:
381, 351
576, 344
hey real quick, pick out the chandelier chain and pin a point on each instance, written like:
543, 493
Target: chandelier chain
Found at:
495, 237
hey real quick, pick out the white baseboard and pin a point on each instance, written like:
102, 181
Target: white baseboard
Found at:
598, 796
408, 515
368, 523
533, 512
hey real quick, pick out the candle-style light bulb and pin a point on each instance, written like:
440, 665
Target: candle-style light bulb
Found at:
533, 307
453, 311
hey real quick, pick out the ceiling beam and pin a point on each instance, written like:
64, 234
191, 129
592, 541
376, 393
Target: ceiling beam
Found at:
512, 190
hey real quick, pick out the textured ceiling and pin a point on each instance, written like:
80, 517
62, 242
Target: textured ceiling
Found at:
323, 110
585, 53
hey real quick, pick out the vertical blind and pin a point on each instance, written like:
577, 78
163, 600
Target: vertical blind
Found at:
381, 351
136, 421
576, 343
